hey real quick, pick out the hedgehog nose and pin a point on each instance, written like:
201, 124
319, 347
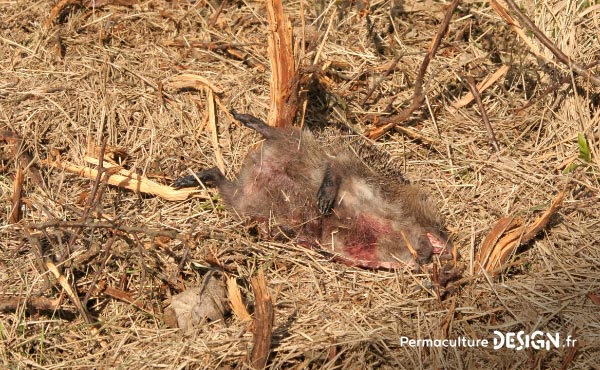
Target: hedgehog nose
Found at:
439, 246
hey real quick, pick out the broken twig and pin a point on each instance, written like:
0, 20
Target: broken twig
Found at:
562, 57
15, 212
284, 82
387, 123
263, 322
484, 116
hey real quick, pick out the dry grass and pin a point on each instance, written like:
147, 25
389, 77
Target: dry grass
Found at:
326, 315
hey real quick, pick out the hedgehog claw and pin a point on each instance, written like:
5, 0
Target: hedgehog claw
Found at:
328, 192
210, 177
185, 182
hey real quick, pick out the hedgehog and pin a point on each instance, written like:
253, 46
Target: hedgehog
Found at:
329, 200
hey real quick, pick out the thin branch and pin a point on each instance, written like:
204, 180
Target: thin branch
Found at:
552, 88
96, 277
109, 225
387, 123
92, 202
484, 116
38, 303
565, 59
94, 325
387, 72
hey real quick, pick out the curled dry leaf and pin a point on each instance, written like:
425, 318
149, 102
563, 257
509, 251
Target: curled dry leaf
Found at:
12, 303
449, 273
195, 306
23, 157
508, 234
57, 9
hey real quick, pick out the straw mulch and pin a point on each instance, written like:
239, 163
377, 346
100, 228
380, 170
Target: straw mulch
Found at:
88, 73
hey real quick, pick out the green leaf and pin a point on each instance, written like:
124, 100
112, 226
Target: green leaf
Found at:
585, 4
584, 149
570, 168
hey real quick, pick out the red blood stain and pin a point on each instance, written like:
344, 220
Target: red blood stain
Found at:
361, 243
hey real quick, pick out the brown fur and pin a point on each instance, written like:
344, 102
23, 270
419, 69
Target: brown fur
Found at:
370, 216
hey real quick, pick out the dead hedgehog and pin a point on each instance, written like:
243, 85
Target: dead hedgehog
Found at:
329, 201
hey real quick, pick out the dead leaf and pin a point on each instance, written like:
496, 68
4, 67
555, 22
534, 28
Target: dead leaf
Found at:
195, 306
594, 298
488, 247
508, 234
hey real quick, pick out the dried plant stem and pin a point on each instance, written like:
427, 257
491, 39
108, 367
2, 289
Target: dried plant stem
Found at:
387, 72
562, 57
109, 225
553, 87
418, 96
15, 212
8, 304
64, 283
484, 116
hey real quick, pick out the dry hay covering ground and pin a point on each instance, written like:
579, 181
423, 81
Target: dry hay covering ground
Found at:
97, 73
